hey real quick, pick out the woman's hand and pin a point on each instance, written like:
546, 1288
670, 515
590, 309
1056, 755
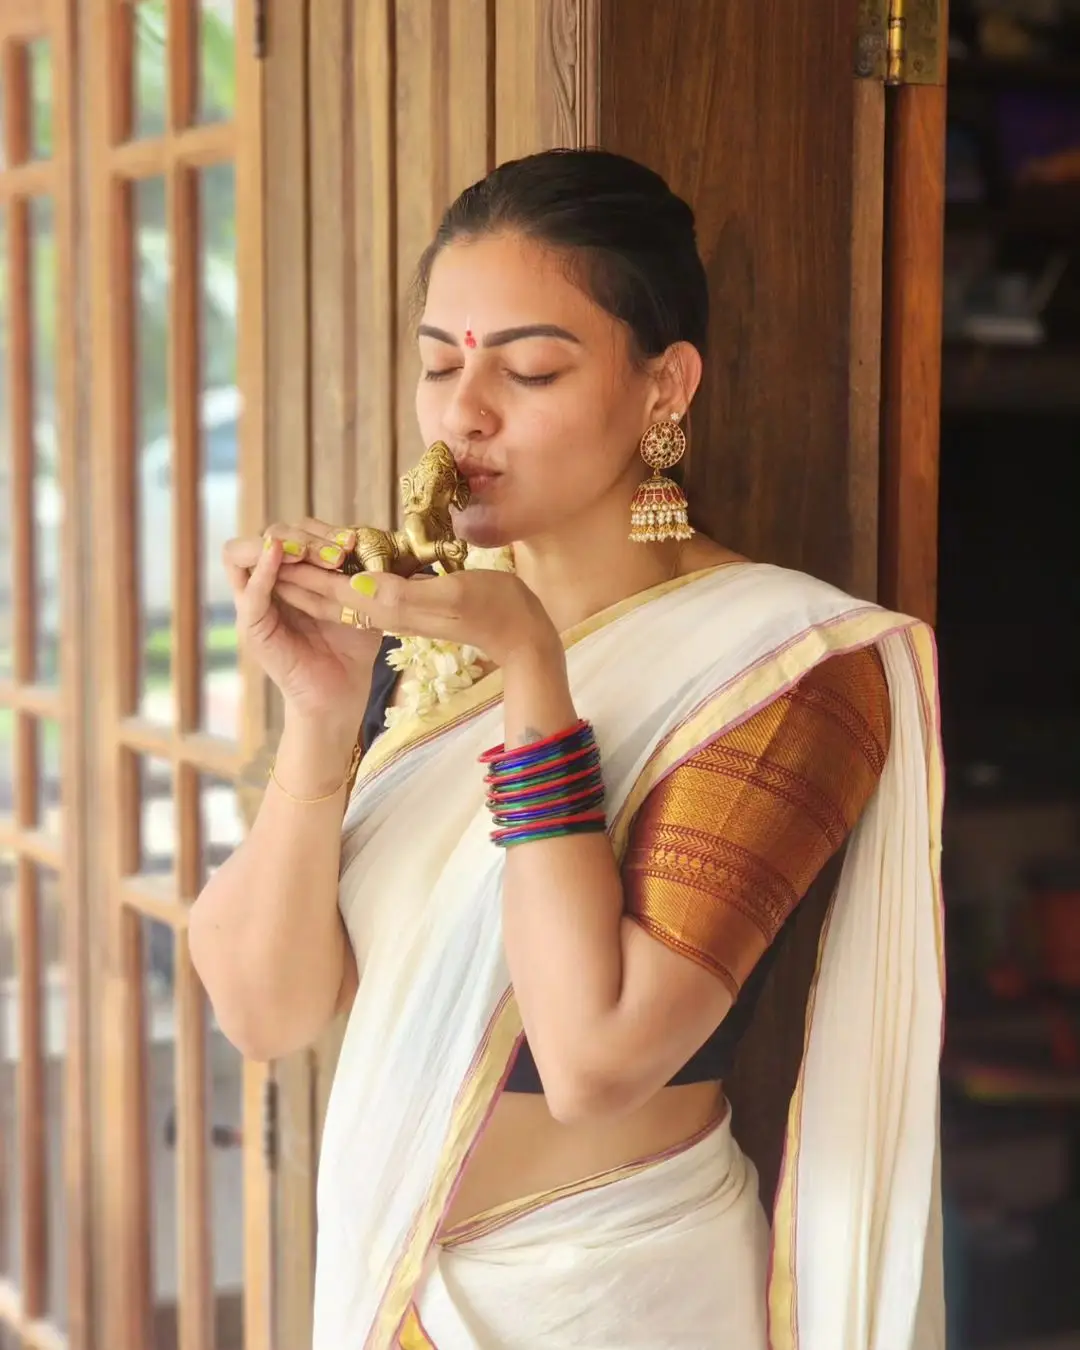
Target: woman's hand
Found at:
321, 666
493, 611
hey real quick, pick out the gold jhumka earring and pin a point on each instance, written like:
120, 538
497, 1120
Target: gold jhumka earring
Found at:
659, 509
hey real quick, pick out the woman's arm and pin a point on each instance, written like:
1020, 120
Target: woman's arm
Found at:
621, 978
266, 935
610, 1013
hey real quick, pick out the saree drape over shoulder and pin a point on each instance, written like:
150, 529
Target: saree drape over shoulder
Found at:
854, 1255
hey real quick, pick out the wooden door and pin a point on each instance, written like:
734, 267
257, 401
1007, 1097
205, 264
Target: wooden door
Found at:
774, 118
44, 1158
809, 136
173, 166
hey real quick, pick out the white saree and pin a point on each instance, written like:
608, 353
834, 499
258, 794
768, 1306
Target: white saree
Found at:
854, 1258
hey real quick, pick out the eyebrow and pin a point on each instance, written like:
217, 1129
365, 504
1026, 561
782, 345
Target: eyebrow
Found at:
505, 335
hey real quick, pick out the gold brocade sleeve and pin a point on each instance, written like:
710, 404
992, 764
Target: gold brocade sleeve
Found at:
726, 846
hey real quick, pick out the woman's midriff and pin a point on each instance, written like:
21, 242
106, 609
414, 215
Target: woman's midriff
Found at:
525, 1150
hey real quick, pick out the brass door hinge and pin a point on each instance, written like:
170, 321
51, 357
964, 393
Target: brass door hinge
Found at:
258, 36
902, 41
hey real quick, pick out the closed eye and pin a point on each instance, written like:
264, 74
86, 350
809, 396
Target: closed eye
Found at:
533, 381
530, 381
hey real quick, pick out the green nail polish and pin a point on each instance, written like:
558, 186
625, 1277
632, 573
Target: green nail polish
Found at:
343, 537
331, 553
363, 583
292, 548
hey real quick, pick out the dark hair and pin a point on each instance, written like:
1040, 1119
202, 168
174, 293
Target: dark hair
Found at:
628, 237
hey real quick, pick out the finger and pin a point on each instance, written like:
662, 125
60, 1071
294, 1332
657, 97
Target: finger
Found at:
258, 595
243, 553
398, 606
334, 534
329, 544
321, 580
238, 580
297, 545
301, 545
316, 606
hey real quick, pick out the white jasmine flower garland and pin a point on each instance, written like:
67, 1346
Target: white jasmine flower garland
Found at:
433, 670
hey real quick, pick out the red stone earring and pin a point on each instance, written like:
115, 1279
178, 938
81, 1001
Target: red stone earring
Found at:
659, 510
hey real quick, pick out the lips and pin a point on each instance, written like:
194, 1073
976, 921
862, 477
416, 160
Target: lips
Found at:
477, 476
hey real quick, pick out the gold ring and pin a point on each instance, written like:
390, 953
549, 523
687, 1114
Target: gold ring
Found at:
347, 617
363, 621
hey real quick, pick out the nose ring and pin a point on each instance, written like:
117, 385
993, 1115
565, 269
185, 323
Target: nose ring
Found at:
483, 412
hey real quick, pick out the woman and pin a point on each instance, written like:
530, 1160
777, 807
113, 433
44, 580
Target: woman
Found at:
548, 958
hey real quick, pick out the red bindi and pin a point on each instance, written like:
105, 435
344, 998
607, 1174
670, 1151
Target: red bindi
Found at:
470, 340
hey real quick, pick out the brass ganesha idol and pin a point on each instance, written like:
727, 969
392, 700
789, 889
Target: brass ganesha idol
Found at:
426, 536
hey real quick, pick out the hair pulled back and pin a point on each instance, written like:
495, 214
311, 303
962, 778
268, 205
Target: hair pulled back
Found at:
628, 239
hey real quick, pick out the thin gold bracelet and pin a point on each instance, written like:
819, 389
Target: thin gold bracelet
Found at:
350, 773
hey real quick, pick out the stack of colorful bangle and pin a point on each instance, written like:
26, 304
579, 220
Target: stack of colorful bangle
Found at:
553, 787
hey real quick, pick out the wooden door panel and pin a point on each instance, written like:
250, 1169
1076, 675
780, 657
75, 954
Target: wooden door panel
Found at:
754, 114
403, 105
44, 1159
175, 206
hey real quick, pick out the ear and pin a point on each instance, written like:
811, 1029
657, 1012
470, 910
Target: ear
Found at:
677, 375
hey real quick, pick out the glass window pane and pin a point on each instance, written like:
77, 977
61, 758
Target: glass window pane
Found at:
10, 1254
54, 1050
219, 476
41, 109
217, 60
151, 68
49, 809
48, 499
7, 762
6, 597
225, 1098
153, 452
157, 834
159, 1029
222, 824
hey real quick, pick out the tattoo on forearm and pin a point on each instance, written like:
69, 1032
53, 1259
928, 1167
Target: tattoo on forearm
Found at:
529, 737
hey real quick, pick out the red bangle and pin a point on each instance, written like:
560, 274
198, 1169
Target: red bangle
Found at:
495, 777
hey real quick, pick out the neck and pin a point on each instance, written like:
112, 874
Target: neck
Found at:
582, 571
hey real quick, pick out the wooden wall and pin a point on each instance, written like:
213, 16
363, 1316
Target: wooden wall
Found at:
407, 102
377, 113
752, 112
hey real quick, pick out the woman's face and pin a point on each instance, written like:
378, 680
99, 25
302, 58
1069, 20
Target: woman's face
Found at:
531, 385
